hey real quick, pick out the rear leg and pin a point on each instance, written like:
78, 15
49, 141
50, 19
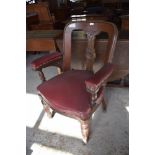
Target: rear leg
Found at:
104, 105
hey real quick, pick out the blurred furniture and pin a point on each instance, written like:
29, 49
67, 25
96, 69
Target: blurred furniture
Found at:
61, 15
44, 16
32, 18
77, 93
42, 40
125, 22
85, 17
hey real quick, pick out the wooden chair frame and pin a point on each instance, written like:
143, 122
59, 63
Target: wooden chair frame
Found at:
92, 29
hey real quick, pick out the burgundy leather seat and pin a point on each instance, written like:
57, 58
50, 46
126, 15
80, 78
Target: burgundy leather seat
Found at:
59, 93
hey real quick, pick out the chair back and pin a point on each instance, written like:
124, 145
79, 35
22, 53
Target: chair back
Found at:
91, 29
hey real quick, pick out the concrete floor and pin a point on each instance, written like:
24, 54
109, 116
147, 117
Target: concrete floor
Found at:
62, 136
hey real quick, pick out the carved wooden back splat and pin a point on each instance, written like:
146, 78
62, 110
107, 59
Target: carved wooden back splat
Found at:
91, 29
90, 51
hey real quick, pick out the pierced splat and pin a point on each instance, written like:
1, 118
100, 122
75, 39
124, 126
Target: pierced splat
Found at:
90, 51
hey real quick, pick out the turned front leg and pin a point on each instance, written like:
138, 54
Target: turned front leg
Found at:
47, 109
85, 130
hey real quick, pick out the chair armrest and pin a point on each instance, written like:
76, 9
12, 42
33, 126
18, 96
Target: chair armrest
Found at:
46, 60
99, 78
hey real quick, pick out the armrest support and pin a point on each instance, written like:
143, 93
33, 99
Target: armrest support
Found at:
46, 60
99, 78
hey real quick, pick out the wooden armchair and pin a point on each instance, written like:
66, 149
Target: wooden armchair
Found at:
77, 93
